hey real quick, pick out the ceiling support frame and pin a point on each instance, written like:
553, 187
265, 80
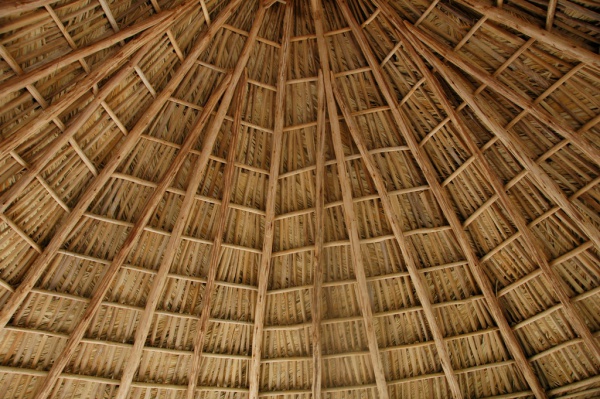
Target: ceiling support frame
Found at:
550, 39
79, 89
528, 106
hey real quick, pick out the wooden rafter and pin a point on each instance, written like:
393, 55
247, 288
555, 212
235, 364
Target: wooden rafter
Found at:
445, 204
187, 205
417, 279
218, 240
550, 39
581, 143
264, 267
38, 267
523, 154
530, 239
8, 7
362, 290
35, 168
20, 82
55, 109
317, 292
206, 306
135, 233
551, 12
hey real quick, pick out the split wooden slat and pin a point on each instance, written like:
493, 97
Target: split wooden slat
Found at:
551, 12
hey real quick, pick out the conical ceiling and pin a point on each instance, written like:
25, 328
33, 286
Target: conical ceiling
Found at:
310, 198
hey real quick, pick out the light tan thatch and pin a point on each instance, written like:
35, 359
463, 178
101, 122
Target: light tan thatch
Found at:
336, 199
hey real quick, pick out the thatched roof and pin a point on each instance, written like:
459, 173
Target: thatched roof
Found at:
312, 198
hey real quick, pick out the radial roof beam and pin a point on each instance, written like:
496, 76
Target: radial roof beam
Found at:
552, 40
8, 7
34, 92
269, 3
38, 267
21, 81
46, 155
530, 239
580, 142
21, 135
215, 254
515, 144
162, 275
362, 290
417, 279
317, 293
264, 267
550, 16
101, 289
448, 210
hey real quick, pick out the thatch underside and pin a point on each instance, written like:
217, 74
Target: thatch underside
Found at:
337, 199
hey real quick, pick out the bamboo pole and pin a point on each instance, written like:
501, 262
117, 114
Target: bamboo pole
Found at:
264, 267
